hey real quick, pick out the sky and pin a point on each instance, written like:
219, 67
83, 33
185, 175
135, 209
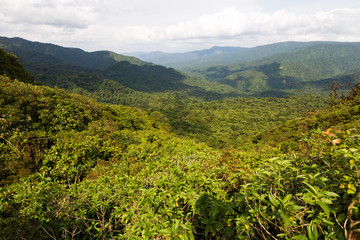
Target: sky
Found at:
125, 26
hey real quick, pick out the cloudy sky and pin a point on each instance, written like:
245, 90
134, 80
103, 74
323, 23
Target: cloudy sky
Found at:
178, 25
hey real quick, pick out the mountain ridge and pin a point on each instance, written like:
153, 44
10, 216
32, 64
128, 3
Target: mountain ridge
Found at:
65, 55
227, 54
64, 67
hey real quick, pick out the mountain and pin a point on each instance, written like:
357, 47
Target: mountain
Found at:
73, 68
280, 69
306, 61
219, 55
322, 60
300, 68
45, 53
10, 67
214, 55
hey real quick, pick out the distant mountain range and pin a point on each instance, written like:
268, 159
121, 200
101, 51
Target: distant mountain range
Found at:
184, 60
220, 55
271, 70
279, 66
299, 65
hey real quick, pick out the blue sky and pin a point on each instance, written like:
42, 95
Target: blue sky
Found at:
178, 26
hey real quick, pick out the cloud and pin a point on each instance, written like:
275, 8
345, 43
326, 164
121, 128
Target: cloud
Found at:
145, 25
58, 13
233, 23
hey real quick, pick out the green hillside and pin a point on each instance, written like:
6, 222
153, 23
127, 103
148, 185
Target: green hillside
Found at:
297, 70
70, 68
10, 67
145, 78
219, 55
73, 168
44, 53
214, 55
343, 114
320, 61
275, 70
181, 99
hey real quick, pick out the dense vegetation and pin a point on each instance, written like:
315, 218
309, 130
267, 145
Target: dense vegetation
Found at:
189, 104
42, 53
10, 67
73, 168
220, 55
275, 70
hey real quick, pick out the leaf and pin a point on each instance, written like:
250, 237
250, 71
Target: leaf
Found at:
286, 219
351, 189
273, 200
331, 194
312, 231
327, 221
207, 229
177, 224
295, 208
325, 207
287, 198
165, 231
299, 237
312, 188
309, 198
326, 200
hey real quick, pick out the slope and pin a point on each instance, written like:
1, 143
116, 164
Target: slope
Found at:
319, 61
219, 55
299, 70
10, 67
72, 168
44, 53
72, 68
343, 114
214, 55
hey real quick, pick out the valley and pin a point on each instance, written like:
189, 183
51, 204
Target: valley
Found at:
222, 143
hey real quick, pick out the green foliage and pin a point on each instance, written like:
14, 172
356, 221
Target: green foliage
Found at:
186, 191
10, 67
42, 125
72, 168
221, 55
35, 53
146, 78
226, 122
343, 114
301, 67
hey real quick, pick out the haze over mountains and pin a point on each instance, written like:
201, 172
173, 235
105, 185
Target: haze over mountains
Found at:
226, 55
271, 70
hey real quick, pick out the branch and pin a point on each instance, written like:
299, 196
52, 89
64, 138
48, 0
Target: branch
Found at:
350, 209
52, 236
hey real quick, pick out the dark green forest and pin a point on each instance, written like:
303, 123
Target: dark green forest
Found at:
86, 153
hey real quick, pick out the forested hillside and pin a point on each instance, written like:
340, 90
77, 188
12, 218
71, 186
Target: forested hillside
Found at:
73, 168
271, 70
43, 53
219, 55
91, 73
10, 67
306, 70
217, 113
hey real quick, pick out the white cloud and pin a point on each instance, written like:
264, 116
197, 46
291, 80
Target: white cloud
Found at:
233, 23
122, 26
58, 13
